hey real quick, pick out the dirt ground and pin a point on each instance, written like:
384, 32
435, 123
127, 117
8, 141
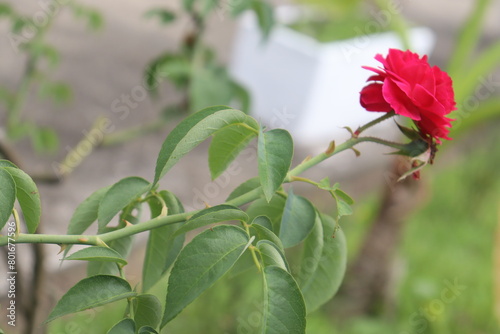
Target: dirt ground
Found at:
105, 65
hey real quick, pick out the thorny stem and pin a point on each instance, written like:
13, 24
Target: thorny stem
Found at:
349, 144
103, 239
375, 122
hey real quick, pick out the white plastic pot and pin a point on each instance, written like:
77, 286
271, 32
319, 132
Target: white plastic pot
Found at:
307, 87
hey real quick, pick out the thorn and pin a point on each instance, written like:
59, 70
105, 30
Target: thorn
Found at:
331, 148
207, 205
82, 240
307, 159
127, 223
63, 248
356, 152
353, 134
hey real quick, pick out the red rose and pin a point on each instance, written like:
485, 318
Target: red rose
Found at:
408, 85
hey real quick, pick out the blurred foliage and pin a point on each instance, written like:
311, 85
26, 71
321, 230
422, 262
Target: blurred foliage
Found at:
194, 68
28, 38
334, 7
472, 66
450, 238
332, 20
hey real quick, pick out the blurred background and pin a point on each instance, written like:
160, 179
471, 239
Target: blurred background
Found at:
90, 89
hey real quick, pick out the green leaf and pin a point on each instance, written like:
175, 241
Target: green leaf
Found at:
208, 6
49, 53
298, 220
272, 255
226, 145
7, 196
284, 308
27, 196
264, 233
165, 16
91, 292
86, 213
272, 210
192, 131
263, 221
325, 184
343, 195
125, 326
215, 214
52, 55
96, 253
45, 140
147, 330
323, 263
210, 85
21, 130
242, 95
172, 66
94, 19
244, 264
409, 133
5, 10
244, 188
343, 209
59, 92
275, 151
483, 66
265, 16
413, 148
488, 110
118, 197
147, 311
468, 37
343, 202
201, 263
18, 24
7, 163
238, 7
162, 248
188, 5
121, 246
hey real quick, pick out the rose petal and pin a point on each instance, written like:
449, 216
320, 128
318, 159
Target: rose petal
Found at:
425, 100
414, 89
371, 98
399, 101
